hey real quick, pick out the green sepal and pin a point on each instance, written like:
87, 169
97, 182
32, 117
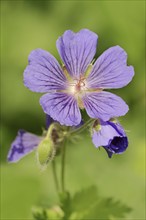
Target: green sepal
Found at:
114, 120
97, 125
88, 71
66, 73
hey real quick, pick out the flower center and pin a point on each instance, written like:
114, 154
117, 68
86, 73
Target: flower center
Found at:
77, 86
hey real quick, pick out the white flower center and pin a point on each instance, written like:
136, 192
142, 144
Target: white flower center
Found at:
77, 86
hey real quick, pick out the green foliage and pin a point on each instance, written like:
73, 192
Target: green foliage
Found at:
84, 198
55, 213
40, 215
65, 203
86, 204
106, 208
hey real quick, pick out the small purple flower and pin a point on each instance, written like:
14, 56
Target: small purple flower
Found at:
79, 84
109, 135
23, 144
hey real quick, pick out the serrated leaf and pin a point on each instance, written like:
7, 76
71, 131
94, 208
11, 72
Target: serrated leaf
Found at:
83, 199
87, 204
106, 208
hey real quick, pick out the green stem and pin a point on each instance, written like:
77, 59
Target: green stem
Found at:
82, 128
55, 176
63, 154
63, 167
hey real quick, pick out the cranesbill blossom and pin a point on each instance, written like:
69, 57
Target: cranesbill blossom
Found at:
23, 144
26, 142
109, 135
79, 83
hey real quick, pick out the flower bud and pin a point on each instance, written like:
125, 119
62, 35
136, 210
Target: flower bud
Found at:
55, 213
49, 146
45, 151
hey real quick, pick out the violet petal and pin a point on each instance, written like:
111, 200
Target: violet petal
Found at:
111, 137
77, 50
104, 105
111, 70
23, 144
43, 74
62, 108
105, 134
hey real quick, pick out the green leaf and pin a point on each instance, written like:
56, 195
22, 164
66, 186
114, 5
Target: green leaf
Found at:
87, 204
65, 201
107, 208
83, 199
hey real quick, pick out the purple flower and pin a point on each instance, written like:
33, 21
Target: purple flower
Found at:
78, 84
109, 135
23, 144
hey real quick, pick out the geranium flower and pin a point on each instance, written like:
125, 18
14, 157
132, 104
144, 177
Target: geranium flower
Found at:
109, 135
23, 144
78, 84
26, 142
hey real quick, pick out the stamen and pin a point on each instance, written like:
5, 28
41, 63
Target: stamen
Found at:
78, 85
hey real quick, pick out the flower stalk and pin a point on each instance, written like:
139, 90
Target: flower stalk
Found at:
55, 176
63, 166
82, 128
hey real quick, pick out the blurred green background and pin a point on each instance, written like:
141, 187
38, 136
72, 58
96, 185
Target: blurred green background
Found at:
27, 25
